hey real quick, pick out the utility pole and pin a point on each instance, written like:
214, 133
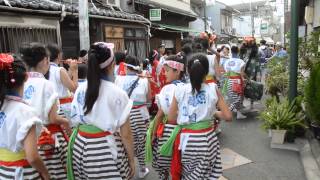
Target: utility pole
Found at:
252, 19
205, 14
294, 50
84, 25
284, 21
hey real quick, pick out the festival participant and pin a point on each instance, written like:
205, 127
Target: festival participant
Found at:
19, 158
120, 68
40, 94
64, 82
233, 84
139, 92
195, 146
101, 144
159, 130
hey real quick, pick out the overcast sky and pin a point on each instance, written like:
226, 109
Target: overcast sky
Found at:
232, 2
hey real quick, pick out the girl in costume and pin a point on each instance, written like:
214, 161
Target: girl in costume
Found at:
101, 144
195, 146
19, 158
64, 82
159, 130
41, 95
139, 92
233, 84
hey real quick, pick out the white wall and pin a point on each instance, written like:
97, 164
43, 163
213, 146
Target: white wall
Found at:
243, 27
316, 14
180, 4
197, 24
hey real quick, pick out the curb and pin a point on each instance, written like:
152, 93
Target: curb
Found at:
309, 162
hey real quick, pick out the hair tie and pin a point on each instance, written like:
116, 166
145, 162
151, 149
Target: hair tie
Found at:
6, 61
196, 61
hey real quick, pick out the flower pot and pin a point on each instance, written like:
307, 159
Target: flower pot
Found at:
316, 130
290, 137
278, 136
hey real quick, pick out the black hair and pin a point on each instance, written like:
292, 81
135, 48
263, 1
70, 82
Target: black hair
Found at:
153, 56
54, 50
98, 54
187, 40
18, 74
198, 68
83, 53
119, 57
145, 64
32, 54
82, 71
263, 42
200, 45
234, 50
180, 59
187, 49
132, 60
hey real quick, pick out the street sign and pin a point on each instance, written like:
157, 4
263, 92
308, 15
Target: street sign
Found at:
264, 28
155, 14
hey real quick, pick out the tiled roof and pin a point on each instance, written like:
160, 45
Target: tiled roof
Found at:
71, 8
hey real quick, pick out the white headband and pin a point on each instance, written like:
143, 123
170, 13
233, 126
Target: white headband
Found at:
137, 68
108, 61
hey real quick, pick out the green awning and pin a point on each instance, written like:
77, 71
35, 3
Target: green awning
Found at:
177, 28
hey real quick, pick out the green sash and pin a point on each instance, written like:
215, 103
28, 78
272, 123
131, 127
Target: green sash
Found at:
84, 128
167, 148
148, 154
225, 84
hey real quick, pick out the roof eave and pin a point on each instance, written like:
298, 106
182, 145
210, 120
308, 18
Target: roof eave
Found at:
15, 9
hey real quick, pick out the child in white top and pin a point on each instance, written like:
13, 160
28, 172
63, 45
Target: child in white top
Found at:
100, 113
233, 84
19, 158
174, 70
139, 92
193, 108
41, 95
64, 82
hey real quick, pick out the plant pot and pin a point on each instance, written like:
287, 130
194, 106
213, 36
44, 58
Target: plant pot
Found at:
300, 131
316, 130
278, 136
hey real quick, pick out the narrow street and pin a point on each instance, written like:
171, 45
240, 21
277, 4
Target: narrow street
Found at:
246, 138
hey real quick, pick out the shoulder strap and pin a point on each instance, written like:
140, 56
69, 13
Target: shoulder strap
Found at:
133, 86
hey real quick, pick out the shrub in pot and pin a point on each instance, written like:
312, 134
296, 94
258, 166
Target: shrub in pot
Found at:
312, 99
280, 117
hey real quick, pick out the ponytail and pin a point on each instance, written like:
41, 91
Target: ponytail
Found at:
97, 55
198, 68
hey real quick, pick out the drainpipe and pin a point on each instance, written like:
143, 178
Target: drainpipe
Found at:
293, 50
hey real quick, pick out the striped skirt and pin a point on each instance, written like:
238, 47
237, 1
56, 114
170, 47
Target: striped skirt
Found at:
100, 158
234, 99
19, 173
200, 157
56, 160
162, 163
139, 125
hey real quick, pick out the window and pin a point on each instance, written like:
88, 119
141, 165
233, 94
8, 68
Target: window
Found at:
131, 39
13, 37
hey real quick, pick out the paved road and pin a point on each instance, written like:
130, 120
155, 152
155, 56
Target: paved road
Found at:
247, 139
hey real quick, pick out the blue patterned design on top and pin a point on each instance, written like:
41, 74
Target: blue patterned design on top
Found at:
81, 97
2, 118
28, 93
184, 111
200, 98
193, 118
167, 101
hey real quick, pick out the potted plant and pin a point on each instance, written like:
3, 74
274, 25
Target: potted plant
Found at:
280, 117
312, 99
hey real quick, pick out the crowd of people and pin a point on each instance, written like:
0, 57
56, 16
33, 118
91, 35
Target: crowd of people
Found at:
92, 120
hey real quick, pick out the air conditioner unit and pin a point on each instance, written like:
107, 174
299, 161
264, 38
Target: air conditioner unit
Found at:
308, 15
